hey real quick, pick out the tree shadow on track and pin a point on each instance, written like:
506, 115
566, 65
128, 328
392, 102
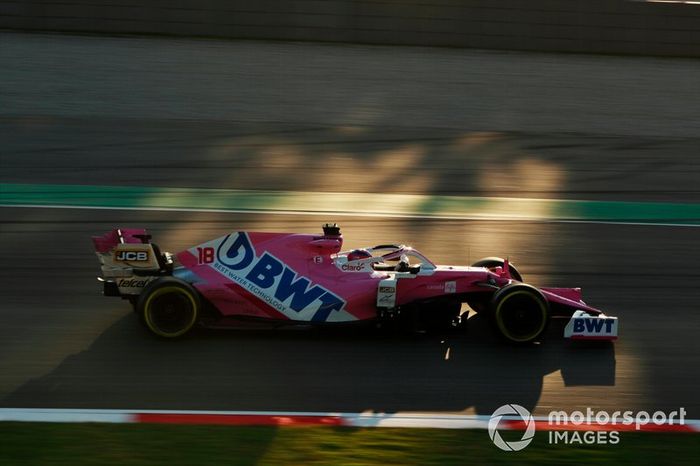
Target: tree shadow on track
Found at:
327, 370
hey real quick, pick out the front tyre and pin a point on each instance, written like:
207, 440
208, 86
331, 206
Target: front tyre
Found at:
519, 313
169, 307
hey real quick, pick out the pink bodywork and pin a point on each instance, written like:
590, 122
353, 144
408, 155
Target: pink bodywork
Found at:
283, 272
111, 239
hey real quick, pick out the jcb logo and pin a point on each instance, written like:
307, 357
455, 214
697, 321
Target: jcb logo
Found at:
131, 256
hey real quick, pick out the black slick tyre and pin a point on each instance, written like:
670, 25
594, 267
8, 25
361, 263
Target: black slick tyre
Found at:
169, 307
519, 313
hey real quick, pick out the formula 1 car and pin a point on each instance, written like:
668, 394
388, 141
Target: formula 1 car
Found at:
287, 278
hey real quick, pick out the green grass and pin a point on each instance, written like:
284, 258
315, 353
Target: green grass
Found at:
140, 444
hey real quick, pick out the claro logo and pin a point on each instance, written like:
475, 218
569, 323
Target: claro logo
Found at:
131, 256
353, 268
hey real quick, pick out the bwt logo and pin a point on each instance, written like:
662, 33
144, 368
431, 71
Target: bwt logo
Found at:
593, 325
523, 415
131, 256
275, 278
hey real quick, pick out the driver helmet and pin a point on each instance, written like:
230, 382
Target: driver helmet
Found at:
357, 254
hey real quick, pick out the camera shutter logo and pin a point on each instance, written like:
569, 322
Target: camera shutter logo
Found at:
511, 410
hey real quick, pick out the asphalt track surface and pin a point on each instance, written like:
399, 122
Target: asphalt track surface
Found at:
106, 111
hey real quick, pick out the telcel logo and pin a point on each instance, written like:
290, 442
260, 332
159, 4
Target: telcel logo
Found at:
131, 256
133, 283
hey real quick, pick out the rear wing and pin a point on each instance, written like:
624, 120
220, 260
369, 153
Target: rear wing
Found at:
125, 252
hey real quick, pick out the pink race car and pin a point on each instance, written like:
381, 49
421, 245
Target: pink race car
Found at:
288, 278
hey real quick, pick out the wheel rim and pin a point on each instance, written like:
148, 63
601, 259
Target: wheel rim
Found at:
521, 316
170, 311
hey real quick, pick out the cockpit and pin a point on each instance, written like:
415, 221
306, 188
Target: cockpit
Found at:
384, 258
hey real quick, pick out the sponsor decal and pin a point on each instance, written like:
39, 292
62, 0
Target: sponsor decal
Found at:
386, 297
273, 281
353, 267
133, 283
583, 326
593, 325
131, 256
450, 287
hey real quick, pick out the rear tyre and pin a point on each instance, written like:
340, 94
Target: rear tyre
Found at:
169, 307
480, 302
519, 313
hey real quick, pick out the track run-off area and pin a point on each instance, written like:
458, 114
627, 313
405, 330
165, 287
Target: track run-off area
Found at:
582, 170
333, 204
